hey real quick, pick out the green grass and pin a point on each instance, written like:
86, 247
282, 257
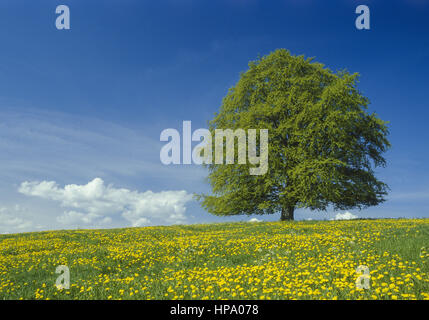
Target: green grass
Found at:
270, 260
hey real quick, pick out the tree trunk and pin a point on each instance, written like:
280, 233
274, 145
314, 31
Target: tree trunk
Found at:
287, 213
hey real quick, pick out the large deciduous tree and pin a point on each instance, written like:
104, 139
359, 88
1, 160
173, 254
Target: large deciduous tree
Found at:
323, 144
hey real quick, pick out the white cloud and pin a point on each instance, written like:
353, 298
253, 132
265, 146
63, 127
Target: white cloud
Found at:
255, 220
11, 220
95, 204
71, 218
345, 216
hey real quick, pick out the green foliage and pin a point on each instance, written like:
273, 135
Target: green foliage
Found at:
323, 144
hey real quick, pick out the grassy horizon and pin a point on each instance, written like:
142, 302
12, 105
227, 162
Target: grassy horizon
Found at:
240, 260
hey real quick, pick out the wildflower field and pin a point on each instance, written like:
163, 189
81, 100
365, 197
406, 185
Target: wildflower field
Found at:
267, 260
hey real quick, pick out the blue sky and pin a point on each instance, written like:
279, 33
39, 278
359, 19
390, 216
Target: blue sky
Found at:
84, 107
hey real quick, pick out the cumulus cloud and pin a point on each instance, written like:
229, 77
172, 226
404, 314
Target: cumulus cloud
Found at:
345, 216
255, 220
94, 204
11, 220
72, 218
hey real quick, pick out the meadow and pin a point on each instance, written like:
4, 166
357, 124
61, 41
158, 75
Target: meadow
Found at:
260, 260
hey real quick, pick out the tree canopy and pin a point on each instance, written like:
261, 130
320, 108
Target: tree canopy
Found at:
323, 144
